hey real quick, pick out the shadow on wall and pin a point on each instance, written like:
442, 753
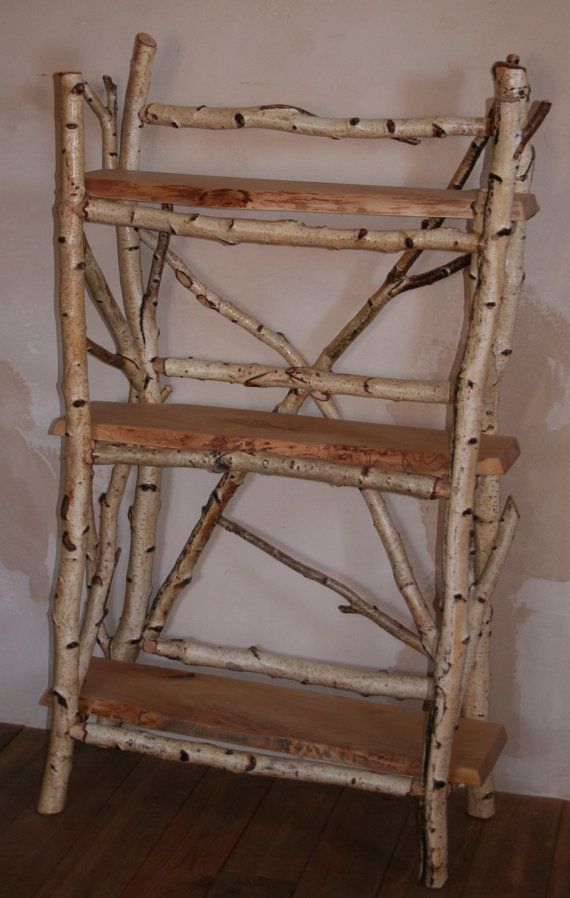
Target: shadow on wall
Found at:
29, 489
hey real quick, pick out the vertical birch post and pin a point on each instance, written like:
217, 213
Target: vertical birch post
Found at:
77, 498
487, 505
146, 504
510, 81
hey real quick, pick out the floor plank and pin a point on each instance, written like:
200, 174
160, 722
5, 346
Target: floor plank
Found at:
118, 838
7, 733
559, 884
514, 854
34, 844
21, 764
274, 849
137, 827
403, 871
351, 855
195, 845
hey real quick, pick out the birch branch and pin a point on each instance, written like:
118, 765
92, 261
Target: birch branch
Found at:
390, 288
96, 606
423, 486
233, 231
481, 592
278, 117
77, 493
402, 570
250, 374
146, 504
107, 116
302, 670
356, 604
169, 749
471, 383
108, 308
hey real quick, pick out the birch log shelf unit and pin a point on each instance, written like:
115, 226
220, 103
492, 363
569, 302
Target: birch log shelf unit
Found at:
315, 735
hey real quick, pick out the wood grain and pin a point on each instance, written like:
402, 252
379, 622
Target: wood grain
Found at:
293, 196
352, 731
385, 446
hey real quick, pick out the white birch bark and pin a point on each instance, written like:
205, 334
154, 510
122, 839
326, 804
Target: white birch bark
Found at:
302, 670
233, 231
169, 749
291, 119
146, 504
77, 497
509, 80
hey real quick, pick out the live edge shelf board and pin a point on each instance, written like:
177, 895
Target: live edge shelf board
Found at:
385, 446
294, 196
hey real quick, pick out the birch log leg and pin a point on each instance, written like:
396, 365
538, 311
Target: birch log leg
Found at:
146, 504
481, 799
77, 499
510, 83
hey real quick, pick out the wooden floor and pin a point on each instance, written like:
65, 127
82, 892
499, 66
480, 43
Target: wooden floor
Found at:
137, 827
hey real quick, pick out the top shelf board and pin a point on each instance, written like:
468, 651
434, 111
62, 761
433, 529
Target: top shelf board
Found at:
290, 196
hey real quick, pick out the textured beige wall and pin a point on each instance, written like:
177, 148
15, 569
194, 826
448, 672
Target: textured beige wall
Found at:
367, 58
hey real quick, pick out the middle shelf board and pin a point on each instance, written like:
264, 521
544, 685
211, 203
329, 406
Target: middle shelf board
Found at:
385, 446
290, 196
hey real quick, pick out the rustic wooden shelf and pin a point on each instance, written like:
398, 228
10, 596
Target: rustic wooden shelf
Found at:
229, 709
386, 446
293, 196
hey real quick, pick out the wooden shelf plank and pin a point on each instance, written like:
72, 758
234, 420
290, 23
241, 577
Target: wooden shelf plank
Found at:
233, 710
290, 196
384, 446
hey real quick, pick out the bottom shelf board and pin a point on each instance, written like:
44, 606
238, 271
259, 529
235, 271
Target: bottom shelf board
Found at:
230, 709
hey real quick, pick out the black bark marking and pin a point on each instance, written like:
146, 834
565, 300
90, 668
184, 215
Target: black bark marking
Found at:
251, 764
79, 403
64, 507
239, 119
391, 126
70, 546
354, 121
184, 756
72, 645
409, 243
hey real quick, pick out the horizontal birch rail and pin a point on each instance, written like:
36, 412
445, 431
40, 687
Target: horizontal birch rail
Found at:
233, 231
169, 749
298, 121
302, 670
423, 486
251, 374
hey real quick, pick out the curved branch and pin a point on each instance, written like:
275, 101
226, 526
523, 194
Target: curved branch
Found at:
280, 117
